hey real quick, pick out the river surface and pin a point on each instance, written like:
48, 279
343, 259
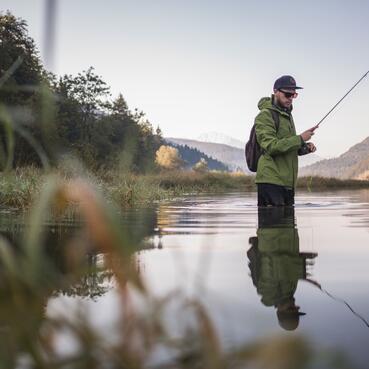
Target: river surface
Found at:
259, 274
205, 249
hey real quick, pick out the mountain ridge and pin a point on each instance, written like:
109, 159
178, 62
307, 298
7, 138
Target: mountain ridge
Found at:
232, 157
351, 164
220, 138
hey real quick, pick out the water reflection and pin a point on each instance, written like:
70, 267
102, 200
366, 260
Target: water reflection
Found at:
67, 243
276, 263
179, 236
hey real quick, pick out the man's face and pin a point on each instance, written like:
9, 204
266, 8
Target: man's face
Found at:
285, 97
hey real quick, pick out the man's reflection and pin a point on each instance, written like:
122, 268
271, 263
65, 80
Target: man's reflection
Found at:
276, 263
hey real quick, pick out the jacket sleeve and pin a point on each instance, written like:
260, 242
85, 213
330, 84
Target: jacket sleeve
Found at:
266, 136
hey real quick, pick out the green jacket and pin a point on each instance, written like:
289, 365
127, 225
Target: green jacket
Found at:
280, 265
278, 164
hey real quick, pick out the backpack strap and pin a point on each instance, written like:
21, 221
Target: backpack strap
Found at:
275, 116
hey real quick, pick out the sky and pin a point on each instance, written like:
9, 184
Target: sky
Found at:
198, 66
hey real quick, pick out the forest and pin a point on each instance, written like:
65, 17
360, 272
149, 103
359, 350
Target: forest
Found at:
45, 118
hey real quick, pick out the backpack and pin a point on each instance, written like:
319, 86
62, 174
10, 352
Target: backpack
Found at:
253, 151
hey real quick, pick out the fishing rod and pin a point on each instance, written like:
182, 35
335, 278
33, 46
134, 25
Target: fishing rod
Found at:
343, 97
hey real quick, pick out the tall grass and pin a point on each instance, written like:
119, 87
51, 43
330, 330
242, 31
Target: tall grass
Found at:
198, 182
19, 187
325, 183
29, 336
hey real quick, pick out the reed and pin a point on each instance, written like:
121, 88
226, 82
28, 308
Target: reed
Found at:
324, 183
30, 278
20, 186
191, 181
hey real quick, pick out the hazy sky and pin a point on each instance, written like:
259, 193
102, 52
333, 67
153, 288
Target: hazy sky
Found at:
195, 66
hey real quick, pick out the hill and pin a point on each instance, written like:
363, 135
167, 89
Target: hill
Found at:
216, 137
231, 156
192, 156
354, 163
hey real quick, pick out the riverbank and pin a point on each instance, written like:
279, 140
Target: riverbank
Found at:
20, 187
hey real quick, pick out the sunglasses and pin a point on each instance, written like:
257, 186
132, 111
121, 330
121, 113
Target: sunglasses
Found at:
289, 94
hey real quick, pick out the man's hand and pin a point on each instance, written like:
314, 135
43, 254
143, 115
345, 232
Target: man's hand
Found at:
308, 133
306, 148
311, 147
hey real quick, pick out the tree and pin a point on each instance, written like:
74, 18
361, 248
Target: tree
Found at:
159, 132
20, 67
167, 157
201, 166
21, 78
87, 91
87, 124
81, 105
120, 107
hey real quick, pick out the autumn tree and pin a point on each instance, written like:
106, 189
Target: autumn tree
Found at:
167, 157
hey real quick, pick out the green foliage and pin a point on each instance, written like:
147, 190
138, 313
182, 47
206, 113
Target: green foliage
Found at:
191, 181
103, 133
19, 187
319, 183
42, 117
21, 78
16, 47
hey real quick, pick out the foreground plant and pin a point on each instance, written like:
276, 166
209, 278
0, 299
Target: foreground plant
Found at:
30, 336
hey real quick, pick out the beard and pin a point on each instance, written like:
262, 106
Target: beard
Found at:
284, 103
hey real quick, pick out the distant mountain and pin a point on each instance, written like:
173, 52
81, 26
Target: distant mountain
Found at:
354, 163
216, 137
231, 156
308, 160
192, 156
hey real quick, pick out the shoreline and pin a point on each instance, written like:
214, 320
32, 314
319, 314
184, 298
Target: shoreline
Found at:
20, 188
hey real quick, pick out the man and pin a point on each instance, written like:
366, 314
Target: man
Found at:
277, 167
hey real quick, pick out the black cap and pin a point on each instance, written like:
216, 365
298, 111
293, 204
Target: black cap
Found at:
287, 82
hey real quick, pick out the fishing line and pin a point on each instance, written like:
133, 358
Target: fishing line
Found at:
347, 304
338, 299
343, 97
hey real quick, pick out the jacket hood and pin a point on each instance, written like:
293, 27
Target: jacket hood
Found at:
267, 103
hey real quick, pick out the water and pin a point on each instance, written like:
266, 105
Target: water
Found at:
204, 243
315, 258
